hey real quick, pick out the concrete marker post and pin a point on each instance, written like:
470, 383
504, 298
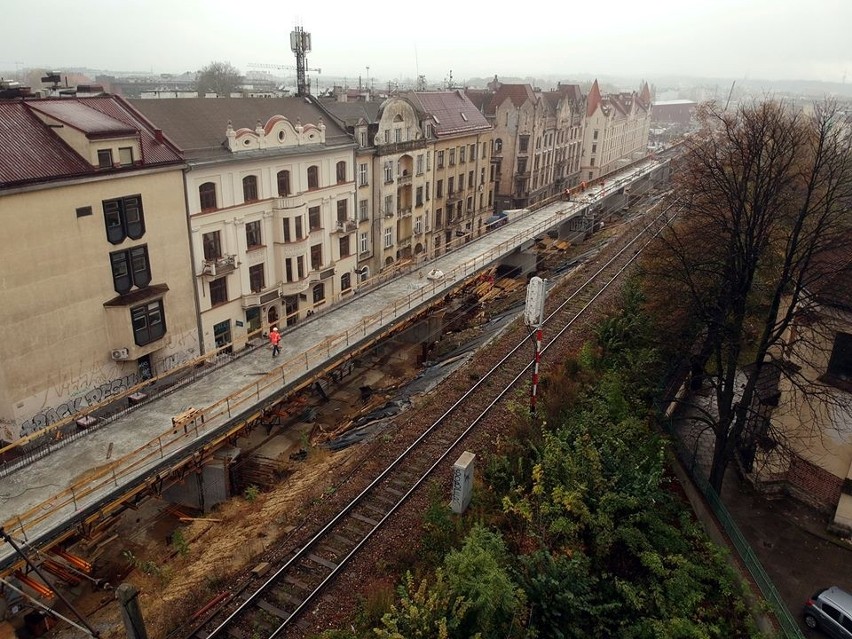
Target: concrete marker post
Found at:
131, 613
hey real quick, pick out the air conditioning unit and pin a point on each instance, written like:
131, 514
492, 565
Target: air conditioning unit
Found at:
120, 353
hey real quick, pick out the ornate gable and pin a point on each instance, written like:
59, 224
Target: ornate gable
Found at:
277, 133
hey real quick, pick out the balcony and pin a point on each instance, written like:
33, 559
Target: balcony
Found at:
346, 226
258, 298
400, 147
403, 179
406, 212
286, 289
453, 196
318, 275
219, 266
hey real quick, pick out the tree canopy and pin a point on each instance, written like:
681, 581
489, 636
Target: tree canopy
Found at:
220, 78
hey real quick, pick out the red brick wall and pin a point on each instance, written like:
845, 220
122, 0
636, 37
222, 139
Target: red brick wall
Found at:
814, 485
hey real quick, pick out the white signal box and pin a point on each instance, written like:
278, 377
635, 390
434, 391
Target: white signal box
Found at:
534, 309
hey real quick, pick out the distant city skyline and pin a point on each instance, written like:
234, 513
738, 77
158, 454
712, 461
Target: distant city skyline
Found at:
755, 39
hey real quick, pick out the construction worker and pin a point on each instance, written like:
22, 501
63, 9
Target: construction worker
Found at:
275, 340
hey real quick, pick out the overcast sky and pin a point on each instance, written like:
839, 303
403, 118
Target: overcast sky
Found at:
755, 39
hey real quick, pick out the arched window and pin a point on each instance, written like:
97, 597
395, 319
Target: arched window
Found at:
283, 183
319, 293
313, 177
498, 145
341, 172
250, 188
345, 282
207, 194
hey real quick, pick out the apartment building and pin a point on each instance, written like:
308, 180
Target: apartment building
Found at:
617, 129
537, 140
97, 281
270, 197
462, 194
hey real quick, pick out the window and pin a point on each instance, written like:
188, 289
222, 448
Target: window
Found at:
257, 280
594, 148
319, 293
419, 196
419, 164
342, 210
130, 268
341, 172
595, 135
397, 135
149, 322
362, 137
362, 174
345, 282
438, 218
105, 159
284, 183
418, 225
439, 159
314, 222
482, 176
452, 157
207, 195
461, 155
286, 222
522, 165
388, 171
840, 363
439, 190
831, 611
288, 269
388, 237
523, 143
300, 267
218, 291
485, 150
428, 160
316, 257
389, 205
250, 188
344, 246
84, 211
470, 204
470, 184
362, 210
591, 161
450, 185
125, 155
428, 197
387, 136
313, 178
363, 243
472, 150
212, 245
124, 218
299, 233
253, 236
498, 145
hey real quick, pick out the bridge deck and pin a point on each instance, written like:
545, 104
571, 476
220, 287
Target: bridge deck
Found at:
38, 501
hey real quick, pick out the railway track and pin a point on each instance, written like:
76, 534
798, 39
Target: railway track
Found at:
277, 592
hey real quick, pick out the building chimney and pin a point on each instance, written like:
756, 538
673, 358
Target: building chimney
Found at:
158, 136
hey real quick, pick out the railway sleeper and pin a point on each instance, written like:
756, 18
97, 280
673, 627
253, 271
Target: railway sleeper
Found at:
364, 518
389, 500
374, 508
345, 541
392, 491
237, 633
286, 596
322, 561
272, 609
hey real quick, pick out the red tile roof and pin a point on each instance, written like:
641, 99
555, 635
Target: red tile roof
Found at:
517, 93
594, 100
33, 152
452, 112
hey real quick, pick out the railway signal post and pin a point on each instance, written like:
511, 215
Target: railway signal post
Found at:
533, 318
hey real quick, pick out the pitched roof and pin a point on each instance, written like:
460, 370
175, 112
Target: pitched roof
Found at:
33, 152
198, 125
517, 93
593, 100
831, 273
350, 113
452, 111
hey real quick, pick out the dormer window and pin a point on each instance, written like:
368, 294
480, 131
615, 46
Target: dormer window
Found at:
125, 155
105, 159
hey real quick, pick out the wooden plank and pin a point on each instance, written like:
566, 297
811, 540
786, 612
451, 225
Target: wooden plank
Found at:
366, 520
322, 562
299, 584
273, 610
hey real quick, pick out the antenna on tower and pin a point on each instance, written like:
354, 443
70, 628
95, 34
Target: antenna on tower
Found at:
300, 45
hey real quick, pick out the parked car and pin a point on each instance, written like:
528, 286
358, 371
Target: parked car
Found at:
830, 610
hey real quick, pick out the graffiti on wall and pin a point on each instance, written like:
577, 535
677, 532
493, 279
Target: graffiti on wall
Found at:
75, 404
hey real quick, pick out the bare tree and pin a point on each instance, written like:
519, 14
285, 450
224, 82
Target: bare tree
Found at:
218, 77
764, 192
